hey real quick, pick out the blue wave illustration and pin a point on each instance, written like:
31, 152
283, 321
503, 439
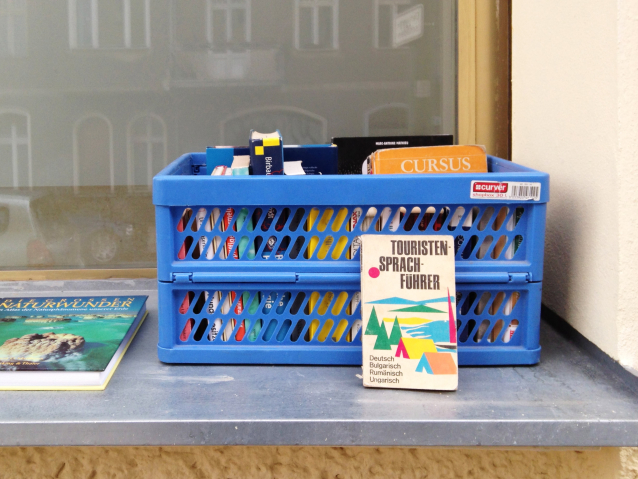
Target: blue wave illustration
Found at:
438, 331
396, 300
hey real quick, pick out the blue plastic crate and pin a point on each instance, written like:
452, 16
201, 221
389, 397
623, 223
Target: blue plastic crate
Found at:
497, 323
293, 234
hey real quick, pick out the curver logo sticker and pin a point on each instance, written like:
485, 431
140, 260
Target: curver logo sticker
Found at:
511, 190
489, 187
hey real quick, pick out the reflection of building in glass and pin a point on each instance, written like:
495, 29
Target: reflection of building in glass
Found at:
317, 24
112, 90
13, 28
119, 105
228, 23
15, 149
109, 24
385, 12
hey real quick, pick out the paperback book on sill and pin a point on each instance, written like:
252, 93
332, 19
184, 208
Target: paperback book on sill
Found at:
408, 310
67, 342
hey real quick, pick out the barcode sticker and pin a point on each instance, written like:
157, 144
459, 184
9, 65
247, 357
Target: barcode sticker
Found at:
510, 190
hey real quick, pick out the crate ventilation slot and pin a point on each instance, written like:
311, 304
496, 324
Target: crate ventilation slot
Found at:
243, 233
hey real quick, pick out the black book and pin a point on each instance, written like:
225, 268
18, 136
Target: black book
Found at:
352, 151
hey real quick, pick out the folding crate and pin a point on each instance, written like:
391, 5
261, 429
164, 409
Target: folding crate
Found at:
228, 245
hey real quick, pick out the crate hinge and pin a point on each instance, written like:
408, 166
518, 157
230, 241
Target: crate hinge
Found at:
182, 278
520, 277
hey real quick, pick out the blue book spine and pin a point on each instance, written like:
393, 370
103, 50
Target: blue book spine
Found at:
266, 155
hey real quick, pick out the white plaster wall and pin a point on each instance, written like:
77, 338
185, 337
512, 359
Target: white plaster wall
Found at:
628, 182
574, 116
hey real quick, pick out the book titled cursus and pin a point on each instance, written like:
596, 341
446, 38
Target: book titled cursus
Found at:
65, 343
408, 310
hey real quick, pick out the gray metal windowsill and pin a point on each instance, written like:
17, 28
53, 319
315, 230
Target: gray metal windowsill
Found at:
573, 398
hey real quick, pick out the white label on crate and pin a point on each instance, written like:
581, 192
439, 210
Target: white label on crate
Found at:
506, 190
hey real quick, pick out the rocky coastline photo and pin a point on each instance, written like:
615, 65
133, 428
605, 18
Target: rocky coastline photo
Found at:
41, 347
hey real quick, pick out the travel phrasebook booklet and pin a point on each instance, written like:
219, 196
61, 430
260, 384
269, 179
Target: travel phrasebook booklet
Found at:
408, 311
67, 342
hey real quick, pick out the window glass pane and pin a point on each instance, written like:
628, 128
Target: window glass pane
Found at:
140, 158
8, 121
138, 23
389, 121
6, 164
306, 36
148, 149
385, 18
4, 34
238, 25
14, 150
85, 125
111, 23
20, 36
93, 142
325, 27
84, 23
22, 151
13, 28
219, 27
189, 24
158, 157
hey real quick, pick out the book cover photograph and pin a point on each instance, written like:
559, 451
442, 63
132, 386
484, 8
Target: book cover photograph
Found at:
57, 335
408, 311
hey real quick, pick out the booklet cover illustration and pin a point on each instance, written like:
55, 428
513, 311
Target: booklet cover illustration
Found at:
408, 310
66, 333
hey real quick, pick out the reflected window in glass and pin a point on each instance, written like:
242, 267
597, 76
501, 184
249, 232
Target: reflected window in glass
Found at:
109, 24
15, 149
385, 13
147, 149
228, 23
91, 114
13, 28
317, 24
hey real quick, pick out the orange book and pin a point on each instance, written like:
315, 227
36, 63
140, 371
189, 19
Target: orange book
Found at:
430, 159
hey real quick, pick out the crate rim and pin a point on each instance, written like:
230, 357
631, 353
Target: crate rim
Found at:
170, 188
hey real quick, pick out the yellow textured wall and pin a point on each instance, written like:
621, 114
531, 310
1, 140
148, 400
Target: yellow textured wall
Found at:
314, 462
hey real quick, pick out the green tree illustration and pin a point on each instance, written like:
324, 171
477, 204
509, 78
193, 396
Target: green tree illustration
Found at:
382, 341
395, 334
373, 324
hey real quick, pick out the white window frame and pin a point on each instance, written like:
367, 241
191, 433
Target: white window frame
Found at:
314, 6
76, 149
149, 140
228, 6
395, 4
14, 142
95, 22
9, 15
